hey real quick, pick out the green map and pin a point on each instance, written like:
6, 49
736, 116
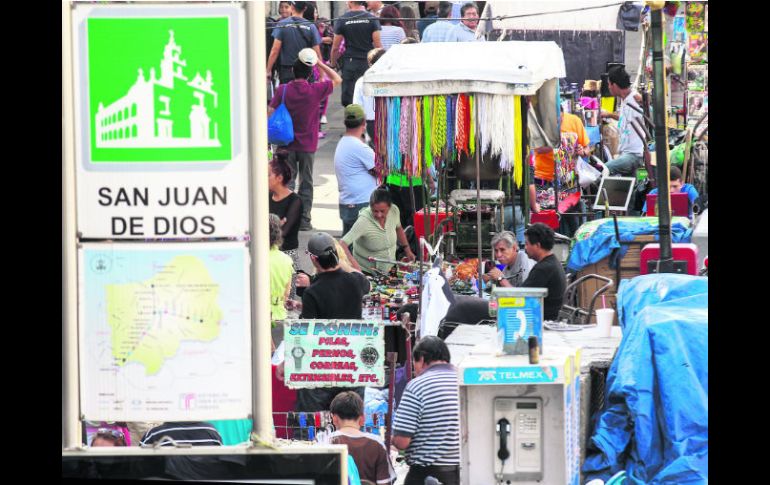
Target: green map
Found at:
151, 318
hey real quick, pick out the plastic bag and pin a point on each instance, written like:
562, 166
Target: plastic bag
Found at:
280, 128
587, 175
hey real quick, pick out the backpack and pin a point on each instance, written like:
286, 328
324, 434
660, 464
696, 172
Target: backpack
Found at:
280, 128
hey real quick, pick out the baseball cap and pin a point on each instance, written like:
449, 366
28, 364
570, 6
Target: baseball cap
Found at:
308, 57
354, 112
321, 243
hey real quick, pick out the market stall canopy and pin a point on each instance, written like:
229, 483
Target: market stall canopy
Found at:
513, 68
551, 15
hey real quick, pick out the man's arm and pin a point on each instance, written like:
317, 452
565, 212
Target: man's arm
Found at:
376, 39
273, 56
401, 442
336, 49
607, 114
309, 307
331, 74
533, 205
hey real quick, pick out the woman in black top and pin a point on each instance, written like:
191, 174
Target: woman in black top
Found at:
285, 204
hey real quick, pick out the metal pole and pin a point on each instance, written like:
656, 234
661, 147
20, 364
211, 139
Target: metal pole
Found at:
406, 324
479, 281
421, 247
70, 373
525, 163
391, 358
661, 143
259, 247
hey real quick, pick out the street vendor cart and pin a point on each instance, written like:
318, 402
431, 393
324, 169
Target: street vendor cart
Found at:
467, 113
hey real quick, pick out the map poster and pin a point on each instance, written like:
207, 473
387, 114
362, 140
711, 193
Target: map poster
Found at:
165, 331
161, 130
334, 353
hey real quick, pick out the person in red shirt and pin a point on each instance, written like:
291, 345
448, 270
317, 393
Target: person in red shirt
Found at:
303, 100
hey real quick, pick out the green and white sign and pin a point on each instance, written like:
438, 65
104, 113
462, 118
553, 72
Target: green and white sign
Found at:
159, 89
161, 120
334, 353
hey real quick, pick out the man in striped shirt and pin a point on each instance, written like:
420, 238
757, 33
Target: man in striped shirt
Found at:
427, 421
194, 433
186, 467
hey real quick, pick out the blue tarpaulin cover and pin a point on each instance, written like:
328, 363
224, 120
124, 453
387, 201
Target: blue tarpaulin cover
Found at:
596, 239
655, 421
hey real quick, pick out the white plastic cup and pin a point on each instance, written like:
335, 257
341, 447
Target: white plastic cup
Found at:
604, 318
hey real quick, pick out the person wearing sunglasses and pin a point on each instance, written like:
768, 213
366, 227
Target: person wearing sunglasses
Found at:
108, 437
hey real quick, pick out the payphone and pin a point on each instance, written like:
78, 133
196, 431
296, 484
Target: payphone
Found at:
520, 421
518, 439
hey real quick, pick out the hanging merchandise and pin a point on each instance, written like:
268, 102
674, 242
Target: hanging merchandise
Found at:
427, 112
696, 17
412, 133
472, 129
518, 157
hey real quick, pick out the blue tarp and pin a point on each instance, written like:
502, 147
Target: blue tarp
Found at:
655, 421
596, 239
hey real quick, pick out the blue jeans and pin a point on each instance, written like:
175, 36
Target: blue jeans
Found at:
626, 164
349, 214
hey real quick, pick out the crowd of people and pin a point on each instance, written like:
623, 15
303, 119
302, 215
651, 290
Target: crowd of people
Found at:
373, 222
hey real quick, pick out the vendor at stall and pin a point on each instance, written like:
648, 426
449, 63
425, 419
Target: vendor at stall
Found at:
377, 233
517, 263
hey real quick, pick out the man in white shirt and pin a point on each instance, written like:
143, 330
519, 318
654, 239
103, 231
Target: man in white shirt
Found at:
465, 31
354, 167
630, 124
438, 30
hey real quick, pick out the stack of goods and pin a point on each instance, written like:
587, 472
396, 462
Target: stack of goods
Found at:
414, 132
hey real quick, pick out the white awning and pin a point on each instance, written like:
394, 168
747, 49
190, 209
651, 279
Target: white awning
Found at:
551, 15
511, 67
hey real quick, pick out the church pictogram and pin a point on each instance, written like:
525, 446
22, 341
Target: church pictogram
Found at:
170, 111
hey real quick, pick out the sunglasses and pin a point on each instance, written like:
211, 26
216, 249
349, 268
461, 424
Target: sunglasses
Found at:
110, 432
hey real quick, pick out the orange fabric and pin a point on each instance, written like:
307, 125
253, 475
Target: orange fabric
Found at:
573, 124
544, 165
571, 129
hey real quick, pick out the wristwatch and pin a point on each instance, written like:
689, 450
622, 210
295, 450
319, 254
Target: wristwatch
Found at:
499, 279
297, 353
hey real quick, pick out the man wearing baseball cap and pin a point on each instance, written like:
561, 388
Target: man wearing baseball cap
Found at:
334, 294
354, 167
303, 100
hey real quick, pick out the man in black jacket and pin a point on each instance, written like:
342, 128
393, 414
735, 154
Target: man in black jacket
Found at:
548, 272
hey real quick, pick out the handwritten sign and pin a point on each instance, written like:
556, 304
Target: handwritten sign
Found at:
334, 353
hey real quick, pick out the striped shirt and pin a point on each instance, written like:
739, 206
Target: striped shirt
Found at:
429, 413
391, 35
195, 433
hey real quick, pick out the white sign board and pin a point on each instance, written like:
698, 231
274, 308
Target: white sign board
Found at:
161, 121
165, 331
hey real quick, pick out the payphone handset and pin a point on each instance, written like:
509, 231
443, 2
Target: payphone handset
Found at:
518, 439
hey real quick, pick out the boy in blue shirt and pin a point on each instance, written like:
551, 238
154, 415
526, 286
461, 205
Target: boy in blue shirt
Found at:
676, 185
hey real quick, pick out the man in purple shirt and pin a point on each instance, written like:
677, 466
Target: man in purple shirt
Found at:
303, 100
